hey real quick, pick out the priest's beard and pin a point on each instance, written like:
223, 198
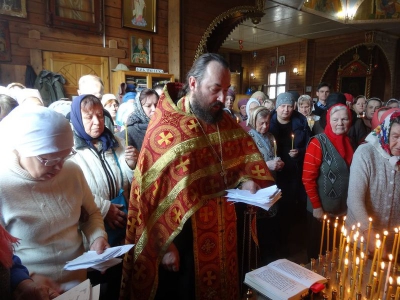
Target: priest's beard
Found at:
211, 114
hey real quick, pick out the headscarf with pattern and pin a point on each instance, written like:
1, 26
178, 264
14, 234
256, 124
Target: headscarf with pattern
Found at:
379, 138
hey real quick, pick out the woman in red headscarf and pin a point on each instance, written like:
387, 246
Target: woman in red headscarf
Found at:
328, 156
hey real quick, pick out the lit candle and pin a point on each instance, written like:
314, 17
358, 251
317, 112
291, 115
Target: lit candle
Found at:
275, 148
389, 291
361, 272
397, 253
374, 285
385, 233
378, 244
346, 268
396, 235
398, 288
292, 141
340, 241
237, 119
380, 279
356, 269
388, 274
322, 235
346, 258
378, 261
334, 238
327, 235
352, 230
344, 221
354, 251
368, 235
361, 243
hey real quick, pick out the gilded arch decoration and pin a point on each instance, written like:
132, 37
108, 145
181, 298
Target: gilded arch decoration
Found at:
224, 24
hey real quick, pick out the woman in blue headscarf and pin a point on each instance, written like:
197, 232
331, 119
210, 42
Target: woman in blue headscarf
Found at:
107, 167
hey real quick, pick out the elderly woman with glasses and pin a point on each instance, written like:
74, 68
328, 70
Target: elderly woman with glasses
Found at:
43, 196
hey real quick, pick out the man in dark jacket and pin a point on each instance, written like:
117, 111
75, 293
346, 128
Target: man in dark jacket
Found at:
291, 132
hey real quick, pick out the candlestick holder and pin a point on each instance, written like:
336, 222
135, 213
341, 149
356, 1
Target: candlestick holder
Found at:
334, 294
320, 258
332, 266
338, 274
358, 296
368, 290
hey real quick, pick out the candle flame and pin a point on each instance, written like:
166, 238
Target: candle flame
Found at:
396, 230
324, 215
378, 244
346, 262
390, 280
370, 219
362, 255
347, 248
362, 239
382, 265
390, 257
344, 218
353, 227
398, 280
385, 232
357, 260
375, 274
335, 224
358, 224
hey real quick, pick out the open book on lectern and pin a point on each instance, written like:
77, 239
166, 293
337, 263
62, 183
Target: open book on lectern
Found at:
283, 280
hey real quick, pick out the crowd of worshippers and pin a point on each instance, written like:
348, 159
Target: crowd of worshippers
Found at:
151, 168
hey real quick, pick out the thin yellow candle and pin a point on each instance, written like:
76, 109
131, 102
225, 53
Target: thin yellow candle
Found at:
292, 141
374, 285
378, 244
388, 274
354, 251
353, 286
368, 235
397, 253
380, 279
275, 148
378, 261
361, 244
346, 258
396, 235
346, 267
334, 233
356, 269
352, 230
385, 233
398, 288
361, 272
342, 234
389, 291
327, 234
322, 235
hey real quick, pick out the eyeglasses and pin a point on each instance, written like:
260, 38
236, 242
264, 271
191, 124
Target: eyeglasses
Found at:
53, 162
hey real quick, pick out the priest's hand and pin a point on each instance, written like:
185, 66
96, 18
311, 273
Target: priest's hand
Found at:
251, 186
170, 260
41, 280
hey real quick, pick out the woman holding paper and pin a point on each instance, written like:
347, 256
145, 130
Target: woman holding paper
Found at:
327, 196
43, 195
265, 141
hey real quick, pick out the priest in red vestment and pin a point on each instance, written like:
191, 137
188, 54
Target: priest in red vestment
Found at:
183, 227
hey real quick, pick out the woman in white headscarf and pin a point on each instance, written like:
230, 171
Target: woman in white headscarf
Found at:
43, 195
252, 103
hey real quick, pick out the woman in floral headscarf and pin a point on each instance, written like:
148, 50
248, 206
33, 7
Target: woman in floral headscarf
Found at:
374, 187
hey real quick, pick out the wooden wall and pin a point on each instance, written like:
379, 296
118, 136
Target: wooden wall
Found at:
19, 27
